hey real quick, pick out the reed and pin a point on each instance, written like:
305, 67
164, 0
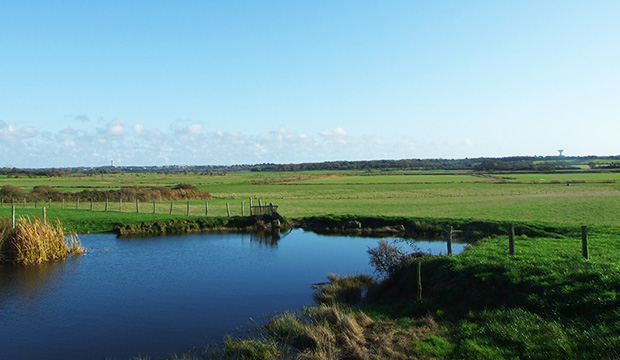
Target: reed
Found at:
34, 241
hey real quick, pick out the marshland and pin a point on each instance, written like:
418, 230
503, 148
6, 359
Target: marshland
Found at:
545, 301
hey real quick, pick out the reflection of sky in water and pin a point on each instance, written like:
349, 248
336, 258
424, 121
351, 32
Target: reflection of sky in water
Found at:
161, 295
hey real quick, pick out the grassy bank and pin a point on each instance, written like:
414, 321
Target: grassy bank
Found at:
545, 302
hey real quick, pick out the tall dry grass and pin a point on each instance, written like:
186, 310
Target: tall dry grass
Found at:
34, 241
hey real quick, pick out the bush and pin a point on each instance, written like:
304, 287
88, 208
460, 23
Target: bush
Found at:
387, 258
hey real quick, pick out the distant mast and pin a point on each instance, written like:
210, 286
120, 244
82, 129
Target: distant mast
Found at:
561, 151
112, 163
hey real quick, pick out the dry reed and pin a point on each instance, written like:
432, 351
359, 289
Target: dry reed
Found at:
33, 241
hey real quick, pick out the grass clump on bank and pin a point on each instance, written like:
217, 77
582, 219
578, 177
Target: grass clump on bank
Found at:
34, 241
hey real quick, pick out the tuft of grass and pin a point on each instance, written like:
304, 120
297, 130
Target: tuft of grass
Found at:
34, 241
343, 290
252, 349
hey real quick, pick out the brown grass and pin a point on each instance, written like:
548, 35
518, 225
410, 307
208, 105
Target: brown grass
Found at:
34, 241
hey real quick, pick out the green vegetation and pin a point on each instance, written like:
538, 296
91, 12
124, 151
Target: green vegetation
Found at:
593, 198
544, 302
33, 241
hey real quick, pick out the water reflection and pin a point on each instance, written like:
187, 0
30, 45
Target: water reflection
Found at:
162, 295
268, 238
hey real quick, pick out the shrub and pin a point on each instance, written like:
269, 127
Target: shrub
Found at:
387, 258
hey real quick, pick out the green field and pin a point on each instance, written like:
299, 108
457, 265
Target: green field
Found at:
591, 199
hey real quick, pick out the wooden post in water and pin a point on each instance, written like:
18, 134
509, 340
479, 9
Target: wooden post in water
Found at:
511, 240
13, 215
137, 206
170, 207
242, 208
419, 281
44, 216
584, 242
449, 238
228, 209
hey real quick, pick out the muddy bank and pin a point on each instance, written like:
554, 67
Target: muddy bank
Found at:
202, 225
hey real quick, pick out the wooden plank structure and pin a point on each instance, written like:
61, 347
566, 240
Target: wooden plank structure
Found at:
269, 210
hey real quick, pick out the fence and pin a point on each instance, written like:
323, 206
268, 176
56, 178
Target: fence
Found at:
183, 207
511, 240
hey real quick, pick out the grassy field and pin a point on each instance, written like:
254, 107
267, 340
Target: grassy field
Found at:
591, 199
546, 302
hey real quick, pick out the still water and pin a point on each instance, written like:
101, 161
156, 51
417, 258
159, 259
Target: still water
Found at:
161, 295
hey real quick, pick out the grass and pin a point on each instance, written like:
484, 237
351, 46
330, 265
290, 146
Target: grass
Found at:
33, 241
592, 198
545, 302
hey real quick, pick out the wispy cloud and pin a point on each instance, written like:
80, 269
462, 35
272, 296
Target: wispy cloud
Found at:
189, 143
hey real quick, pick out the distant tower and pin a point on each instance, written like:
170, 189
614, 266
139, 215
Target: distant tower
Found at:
112, 162
561, 151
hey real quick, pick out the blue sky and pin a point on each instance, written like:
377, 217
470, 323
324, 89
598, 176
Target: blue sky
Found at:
244, 82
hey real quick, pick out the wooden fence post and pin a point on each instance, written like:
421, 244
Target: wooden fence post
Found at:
106, 204
449, 239
250, 206
584, 242
120, 205
187, 212
35, 204
511, 240
207, 208
77, 203
228, 209
50, 204
1, 203
44, 216
170, 207
242, 208
154, 209
91, 204
419, 281
24, 203
63, 203
137, 206
13, 215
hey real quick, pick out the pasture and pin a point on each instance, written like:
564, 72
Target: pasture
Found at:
591, 198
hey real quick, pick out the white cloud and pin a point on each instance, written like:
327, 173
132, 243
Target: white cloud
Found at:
138, 129
194, 129
337, 132
115, 128
9, 133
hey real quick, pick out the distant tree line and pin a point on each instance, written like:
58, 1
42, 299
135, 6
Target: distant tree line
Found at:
514, 163
44, 193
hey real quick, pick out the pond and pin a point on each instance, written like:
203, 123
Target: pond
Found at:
161, 295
